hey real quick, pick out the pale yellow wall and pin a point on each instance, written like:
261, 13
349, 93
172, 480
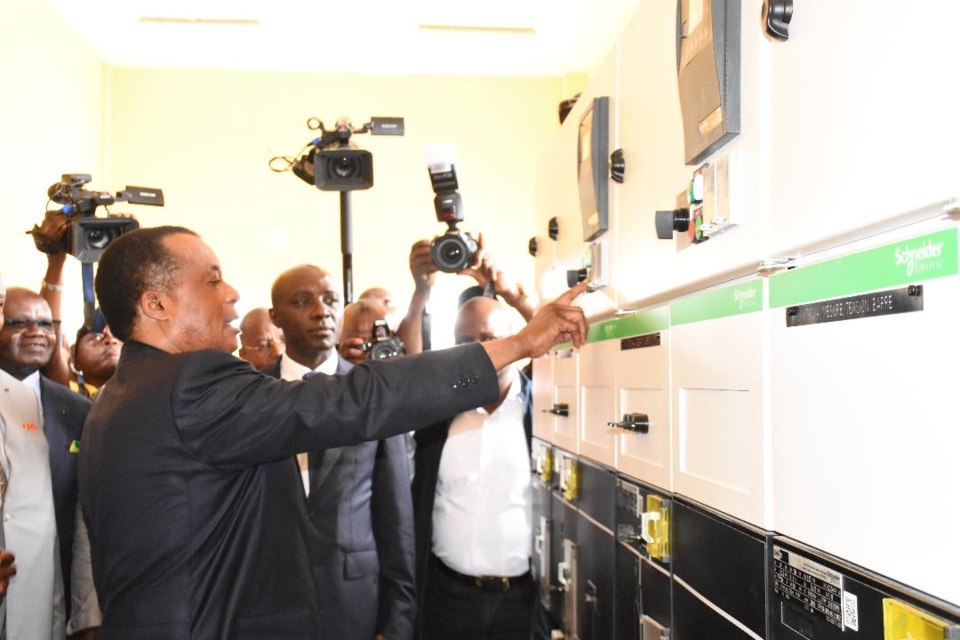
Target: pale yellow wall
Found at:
205, 138
50, 123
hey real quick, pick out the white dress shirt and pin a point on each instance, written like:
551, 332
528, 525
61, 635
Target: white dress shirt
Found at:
293, 370
482, 512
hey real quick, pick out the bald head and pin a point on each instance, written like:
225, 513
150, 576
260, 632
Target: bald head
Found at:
307, 305
481, 319
380, 295
261, 341
292, 277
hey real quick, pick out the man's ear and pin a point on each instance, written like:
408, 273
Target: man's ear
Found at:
155, 305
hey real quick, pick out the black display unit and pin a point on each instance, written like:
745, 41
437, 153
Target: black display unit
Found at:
593, 147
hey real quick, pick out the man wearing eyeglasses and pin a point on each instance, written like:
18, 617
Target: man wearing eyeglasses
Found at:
40, 508
261, 341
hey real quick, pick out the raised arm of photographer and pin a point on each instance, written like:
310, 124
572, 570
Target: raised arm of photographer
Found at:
424, 274
48, 238
485, 271
553, 324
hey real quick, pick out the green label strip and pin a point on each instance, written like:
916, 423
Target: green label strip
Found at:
632, 325
918, 259
720, 303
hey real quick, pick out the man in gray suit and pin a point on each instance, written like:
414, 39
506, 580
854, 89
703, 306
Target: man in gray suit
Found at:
358, 497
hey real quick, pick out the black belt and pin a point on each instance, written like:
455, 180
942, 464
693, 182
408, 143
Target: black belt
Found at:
499, 584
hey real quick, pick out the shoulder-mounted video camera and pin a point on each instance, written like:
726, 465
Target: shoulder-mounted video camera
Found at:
383, 344
87, 235
454, 250
334, 163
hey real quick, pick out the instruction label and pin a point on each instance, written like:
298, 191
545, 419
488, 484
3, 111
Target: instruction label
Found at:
816, 588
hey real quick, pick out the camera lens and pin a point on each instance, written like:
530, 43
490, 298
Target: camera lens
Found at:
97, 238
345, 167
452, 252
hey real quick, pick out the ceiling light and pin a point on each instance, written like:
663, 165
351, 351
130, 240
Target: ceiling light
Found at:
512, 31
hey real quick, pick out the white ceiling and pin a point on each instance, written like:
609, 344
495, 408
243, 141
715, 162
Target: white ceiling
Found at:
492, 37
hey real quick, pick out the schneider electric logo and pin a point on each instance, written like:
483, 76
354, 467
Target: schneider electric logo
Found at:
745, 298
918, 259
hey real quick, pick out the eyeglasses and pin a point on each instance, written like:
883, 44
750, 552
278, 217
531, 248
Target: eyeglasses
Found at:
17, 325
262, 346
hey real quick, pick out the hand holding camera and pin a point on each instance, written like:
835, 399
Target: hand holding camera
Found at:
75, 229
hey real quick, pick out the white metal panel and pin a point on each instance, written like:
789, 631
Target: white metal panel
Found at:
864, 122
866, 439
566, 391
720, 438
598, 401
543, 397
571, 248
651, 136
643, 386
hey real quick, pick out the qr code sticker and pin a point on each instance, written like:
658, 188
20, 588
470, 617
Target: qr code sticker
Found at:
851, 619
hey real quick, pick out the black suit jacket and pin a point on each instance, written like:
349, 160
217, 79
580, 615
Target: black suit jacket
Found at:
64, 413
430, 443
362, 536
195, 510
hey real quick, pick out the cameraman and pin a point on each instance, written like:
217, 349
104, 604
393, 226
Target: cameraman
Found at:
96, 351
48, 238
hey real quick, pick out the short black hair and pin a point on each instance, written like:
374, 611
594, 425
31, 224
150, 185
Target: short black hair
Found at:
133, 263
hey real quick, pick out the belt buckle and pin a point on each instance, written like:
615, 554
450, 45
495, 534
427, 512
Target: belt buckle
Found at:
482, 582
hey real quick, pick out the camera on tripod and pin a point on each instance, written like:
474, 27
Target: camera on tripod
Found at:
454, 250
334, 163
383, 344
87, 236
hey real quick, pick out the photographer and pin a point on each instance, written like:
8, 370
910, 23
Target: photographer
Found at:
95, 351
48, 238
358, 329
491, 280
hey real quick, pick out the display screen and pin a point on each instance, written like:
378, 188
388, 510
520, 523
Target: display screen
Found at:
591, 168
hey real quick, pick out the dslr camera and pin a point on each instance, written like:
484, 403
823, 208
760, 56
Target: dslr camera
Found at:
383, 344
454, 250
87, 235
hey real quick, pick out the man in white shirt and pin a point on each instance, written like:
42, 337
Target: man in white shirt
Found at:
473, 506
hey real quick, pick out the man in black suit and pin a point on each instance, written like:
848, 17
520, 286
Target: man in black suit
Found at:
187, 484
358, 497
27, 342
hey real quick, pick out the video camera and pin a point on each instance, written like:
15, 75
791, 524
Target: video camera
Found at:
336, 164
382, 344
454, 250
87, 235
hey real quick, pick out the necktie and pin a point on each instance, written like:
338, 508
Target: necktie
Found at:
303, 462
